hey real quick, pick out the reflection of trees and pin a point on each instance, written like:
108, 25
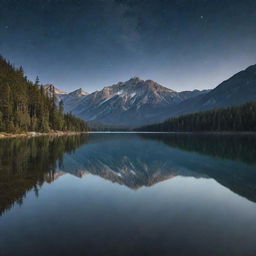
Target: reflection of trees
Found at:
131, 160
235, 175
26, 163
234, 147
136, 161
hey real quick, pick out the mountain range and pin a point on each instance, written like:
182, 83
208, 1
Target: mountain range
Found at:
138, 102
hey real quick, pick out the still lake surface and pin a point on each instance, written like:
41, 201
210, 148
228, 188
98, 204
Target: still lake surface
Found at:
128, 194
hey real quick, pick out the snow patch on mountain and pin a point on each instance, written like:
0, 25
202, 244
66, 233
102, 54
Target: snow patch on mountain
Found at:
131, 103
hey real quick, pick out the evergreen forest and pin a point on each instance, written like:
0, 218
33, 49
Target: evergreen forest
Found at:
26, 106
238, 118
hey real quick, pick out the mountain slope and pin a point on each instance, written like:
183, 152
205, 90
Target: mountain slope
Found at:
129, 103
137, 102
238, 89
72, 99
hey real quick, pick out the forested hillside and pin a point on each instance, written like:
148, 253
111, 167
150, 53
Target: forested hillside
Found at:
26, 106
241, 118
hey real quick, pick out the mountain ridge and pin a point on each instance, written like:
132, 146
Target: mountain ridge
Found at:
234, 91
138, 102
125, 104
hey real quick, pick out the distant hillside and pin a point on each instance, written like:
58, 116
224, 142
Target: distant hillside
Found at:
26, 106
238, 89
242, 118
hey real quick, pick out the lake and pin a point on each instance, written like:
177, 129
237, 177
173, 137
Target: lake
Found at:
128, 194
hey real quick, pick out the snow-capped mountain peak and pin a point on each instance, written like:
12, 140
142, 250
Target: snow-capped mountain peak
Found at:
129, 103
79, 92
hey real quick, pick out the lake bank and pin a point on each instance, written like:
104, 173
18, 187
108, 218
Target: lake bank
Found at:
36, 134
62, 133
185, 133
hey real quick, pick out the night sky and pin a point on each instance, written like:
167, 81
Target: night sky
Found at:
182, 44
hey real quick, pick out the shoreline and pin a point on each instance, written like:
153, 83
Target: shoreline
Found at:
188, 133
4, 135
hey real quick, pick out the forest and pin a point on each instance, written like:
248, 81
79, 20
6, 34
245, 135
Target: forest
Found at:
238, 118
26, 106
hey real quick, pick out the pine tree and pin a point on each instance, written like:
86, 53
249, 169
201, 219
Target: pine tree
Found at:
37, 81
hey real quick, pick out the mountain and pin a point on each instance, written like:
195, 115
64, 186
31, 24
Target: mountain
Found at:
238, 89
126, 104
138, 102
47, 87
78, 93
72, 99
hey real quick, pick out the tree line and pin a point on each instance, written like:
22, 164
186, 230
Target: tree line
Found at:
26, 106
239, 118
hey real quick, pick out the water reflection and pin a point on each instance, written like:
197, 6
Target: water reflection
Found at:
128, 194
127, 159
26, 164
144, 160
239, 147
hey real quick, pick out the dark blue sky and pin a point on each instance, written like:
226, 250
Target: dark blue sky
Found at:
182, 44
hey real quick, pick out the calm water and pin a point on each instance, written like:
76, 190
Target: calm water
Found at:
128, 194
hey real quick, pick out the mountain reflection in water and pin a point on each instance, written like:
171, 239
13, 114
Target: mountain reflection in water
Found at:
133, 160
128, 194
